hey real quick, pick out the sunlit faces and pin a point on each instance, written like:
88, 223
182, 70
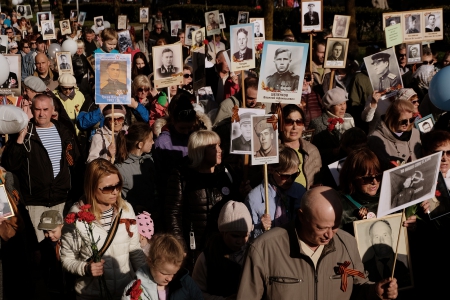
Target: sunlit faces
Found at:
187, 76
234, 240
293, 132
167, 58
164, 272
319, 229
402, 125
213, 155
42, 64
42, 110
369, 184
110, 45
106, 200
320, 53
118, 123
381, 238
140, 63
282, 61
148, 143
445, 160
80, 50
339, 110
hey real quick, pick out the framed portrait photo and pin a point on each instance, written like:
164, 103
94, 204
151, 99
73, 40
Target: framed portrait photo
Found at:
198, 37
340, 26
425, 124
212, 22
73, 15
412, 26
3, 44
168, 65
24, 11
64, 25
264, 140
242, 17
390, 19
124, 40
312, 16
377, 240
98, 21
122, 22
242, 45
259, 29
143, 15
6, 210
336, 53
241, 131
175, 26
413, 53
433, 24
43, 16
188, 34
12, 85
222, 22
64, 62
81, 17
48, 30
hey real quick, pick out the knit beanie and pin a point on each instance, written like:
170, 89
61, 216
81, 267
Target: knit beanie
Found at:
235, 216
145, 225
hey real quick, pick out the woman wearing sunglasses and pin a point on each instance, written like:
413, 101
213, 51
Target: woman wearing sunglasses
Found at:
284, 194
395, 141
291, 132
102, 191
187, 79
140, 66
359, 180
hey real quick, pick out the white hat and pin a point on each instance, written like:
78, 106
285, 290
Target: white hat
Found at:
234, 216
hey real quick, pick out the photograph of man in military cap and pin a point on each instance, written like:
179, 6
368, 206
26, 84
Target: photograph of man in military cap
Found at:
311, 17
283, 79
167, 68
412, 24
337, 52
392, 20
243, 141
266, 144
112, 85
383, 71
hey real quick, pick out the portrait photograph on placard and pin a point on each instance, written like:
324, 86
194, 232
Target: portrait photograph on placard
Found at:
390, 19
259, 29
43, 16
188, 33
336, 53
377, 242
243, 17
12, 85
412, 23
81, 17
112, 78
98, 21
121, 22
312, 16
73, 15
282, 71
48, 30
6, 210
175, 26
24, 11
212, 22
168, 65
409, 184
414, 53
384, 72
3, 44
433, 23
241, 130
64, 62
64, 25
222, 22
143, 15
198, 37
264, 140
242, 45
340, 26
425, 124
124, 40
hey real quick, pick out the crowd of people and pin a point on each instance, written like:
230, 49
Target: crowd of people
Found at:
170, 213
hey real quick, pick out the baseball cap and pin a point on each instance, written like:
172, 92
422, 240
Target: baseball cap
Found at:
50, 219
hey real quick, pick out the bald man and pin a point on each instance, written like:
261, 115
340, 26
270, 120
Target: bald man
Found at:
302, 259
44, 72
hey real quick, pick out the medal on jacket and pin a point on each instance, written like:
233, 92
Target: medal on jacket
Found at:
364, 213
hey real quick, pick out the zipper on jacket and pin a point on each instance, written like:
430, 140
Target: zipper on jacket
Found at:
280, 279
316, 280
29, 179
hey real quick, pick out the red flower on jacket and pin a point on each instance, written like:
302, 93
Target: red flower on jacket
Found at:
437, 193
206, 42
332, 123
70, 218
135, 290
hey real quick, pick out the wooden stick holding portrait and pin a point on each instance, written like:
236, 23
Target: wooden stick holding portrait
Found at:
398, 242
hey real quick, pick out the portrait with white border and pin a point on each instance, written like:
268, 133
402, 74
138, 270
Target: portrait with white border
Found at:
188, 33
264, 140
259, 29
336, 53
241, 131
312, 16
143, 15
242, 45
64, 25
13, 84
168, 65
212, 22
64, 62
48, 30
6, 210
222, 21
340, 26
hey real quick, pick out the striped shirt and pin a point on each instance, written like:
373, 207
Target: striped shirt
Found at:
107, 218
52, 143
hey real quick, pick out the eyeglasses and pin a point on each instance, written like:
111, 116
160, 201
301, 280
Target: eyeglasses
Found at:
428, 62
415, 101
308, 78
287, 176
158, 28
290, 122
109, 189
15, 48
444, 153
140, 90
369, 178
405, 122
67, 88
25, 47
119, 119
187, 75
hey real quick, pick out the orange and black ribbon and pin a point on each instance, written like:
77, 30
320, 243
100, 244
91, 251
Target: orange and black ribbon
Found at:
344, 272
127, 223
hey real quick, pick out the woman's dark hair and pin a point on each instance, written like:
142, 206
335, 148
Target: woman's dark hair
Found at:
146, 70
358, 163
433, 140
129, 140
180, 109
352, 139
286, 111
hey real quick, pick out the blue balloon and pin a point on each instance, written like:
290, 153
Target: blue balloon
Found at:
439, 90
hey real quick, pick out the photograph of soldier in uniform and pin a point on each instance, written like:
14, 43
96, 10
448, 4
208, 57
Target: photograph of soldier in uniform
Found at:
167, 68
432, 22
244, 45
384, 72
414, 52
243, 17
241, 133
43, 16
48, 30
122, 22
65, 27
190, 28
283, 79
336, 53
81, 18
222, 23
113, 81
264, 140
143, 15
377, 241
63, 62
13, 83
312, 18
412, 24
73, 15
340, 26
168, 65
124, 40
212, 22
175, 26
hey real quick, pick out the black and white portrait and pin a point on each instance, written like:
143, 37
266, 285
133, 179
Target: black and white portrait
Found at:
432, 22
198, 38
121, 22
243, 17
48, 30
3, 44
143, 15
168, 65
65, 27
21, 11
188, 34
336, 53
384, 72
340, 26
412, 23
311, 16
175, 26
124, 41
241, 132
212, 22
283, 79
98, 22
73, 15
264, 140
414, 53
392, 20
243, 41
64, 62
43, 16
377, 243
5, 206
258, 25
81, 18
13, 83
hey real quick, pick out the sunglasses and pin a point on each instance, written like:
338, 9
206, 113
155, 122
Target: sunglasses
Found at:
15, 48
428, 62
67, 88
119, 119
290, 122
109, 189
158, 28
287, 176
405, 122
140, 90
25, 47
369, 178
187, 75
308, 78
444, 153
402, 55
415, 101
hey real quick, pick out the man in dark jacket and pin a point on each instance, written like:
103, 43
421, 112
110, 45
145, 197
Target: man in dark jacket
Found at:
40, 157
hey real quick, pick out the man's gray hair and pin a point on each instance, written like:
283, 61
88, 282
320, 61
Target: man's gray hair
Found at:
383, 221
42, 97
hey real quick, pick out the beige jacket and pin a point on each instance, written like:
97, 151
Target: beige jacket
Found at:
312, 163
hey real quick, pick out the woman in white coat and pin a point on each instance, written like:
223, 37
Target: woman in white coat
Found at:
102, 188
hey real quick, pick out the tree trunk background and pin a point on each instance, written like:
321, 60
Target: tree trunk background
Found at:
39, 5
116, 11
145, 3
268, 18
59, 3
350, 9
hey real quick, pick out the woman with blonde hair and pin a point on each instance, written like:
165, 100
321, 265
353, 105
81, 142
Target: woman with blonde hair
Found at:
113, 222
155, 102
